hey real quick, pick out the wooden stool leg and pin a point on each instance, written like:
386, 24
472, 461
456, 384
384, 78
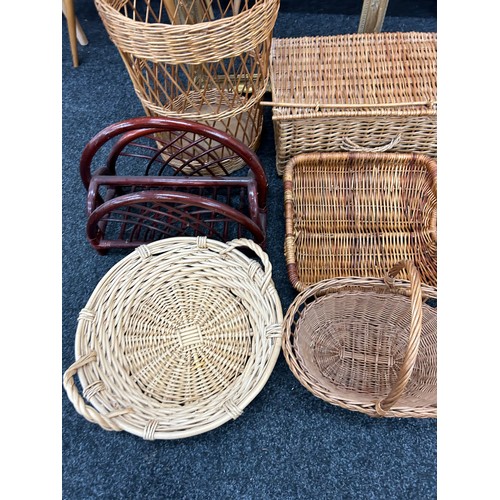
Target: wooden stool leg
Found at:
80, 34
69, 11
372, 16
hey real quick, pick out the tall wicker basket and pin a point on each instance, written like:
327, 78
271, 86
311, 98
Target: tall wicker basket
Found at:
370, 92
201, 60
177, 338
367, 344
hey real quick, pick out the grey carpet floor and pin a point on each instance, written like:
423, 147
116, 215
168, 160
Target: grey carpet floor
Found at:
287, 444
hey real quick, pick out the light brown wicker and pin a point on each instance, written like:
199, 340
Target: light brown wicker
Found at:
214, 69
359, 92
358, 214
177, 338
366, 344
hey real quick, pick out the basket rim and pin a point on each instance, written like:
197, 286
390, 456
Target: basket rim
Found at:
163, 43
281, 113
168, 110
185, 27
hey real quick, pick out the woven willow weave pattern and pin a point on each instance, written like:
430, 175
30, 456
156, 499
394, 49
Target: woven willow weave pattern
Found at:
370, 92
365, 345
177, 338
358, 214
209, 64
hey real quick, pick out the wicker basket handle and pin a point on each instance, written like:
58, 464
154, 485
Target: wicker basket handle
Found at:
90, 413
349, 145
266, 263
404, 375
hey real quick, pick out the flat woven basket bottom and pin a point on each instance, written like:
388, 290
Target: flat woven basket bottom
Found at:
347, 348
183, 332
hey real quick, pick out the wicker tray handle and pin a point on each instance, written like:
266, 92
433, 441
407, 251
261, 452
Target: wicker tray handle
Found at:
88, 412
349, 145
404, 375
266, 263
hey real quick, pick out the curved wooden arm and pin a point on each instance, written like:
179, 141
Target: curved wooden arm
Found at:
171, 197
134, 128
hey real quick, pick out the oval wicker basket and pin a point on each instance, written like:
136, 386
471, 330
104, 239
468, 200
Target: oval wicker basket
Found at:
177, 338
366, 344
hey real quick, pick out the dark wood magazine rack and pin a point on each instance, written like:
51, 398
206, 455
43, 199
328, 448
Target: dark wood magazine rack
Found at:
165, 177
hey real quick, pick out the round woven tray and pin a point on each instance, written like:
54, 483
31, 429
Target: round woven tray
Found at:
366, 344
177, 338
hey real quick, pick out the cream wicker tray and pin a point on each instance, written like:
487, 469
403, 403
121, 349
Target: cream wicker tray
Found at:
177, 338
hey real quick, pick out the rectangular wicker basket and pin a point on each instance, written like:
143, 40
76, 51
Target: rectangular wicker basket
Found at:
359, 214
371, 92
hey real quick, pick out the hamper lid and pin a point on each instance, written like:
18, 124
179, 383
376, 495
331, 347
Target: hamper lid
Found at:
366, 74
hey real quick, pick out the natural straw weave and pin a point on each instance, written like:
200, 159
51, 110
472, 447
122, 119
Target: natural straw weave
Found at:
366, 345
369, 92
358, 214
209, 64
177, 338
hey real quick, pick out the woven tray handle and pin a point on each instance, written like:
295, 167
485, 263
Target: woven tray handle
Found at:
266, 263
90, 413
349, 145
404, 375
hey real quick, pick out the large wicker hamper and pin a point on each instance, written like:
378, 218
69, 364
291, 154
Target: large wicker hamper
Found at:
177, 338
370, 92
